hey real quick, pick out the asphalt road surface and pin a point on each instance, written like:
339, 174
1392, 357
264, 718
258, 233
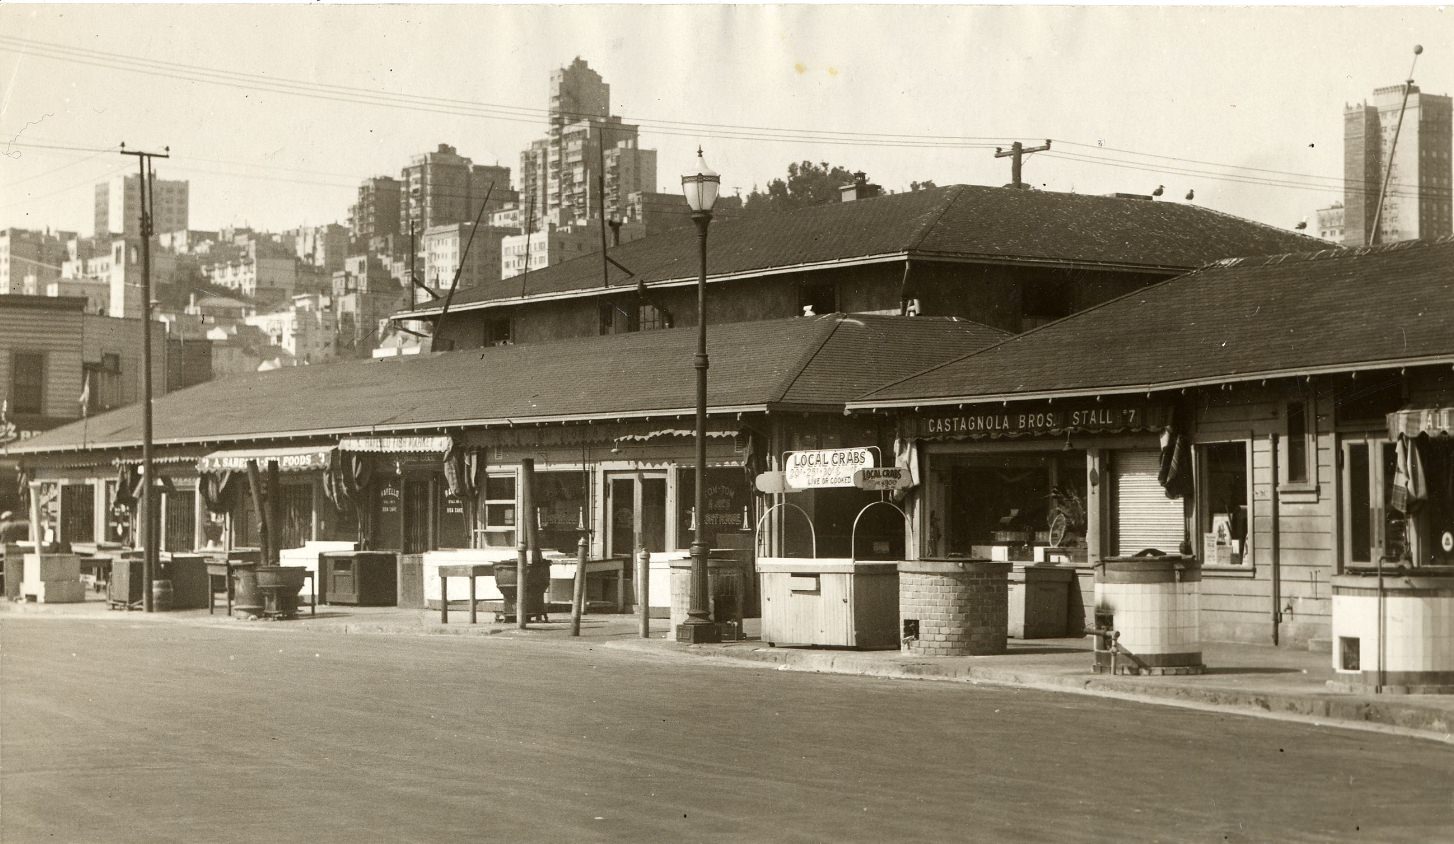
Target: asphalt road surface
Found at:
124, 731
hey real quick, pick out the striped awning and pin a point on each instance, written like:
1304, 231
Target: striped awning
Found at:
1431, 420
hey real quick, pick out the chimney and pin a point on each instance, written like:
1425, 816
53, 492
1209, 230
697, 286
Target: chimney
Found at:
859, 188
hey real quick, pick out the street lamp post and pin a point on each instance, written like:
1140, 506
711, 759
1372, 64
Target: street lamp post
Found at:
701, 188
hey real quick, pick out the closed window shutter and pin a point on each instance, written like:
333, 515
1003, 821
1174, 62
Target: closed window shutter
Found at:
1144, 517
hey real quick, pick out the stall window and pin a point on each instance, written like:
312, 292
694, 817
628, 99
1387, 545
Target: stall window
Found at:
78, 513
727, 497
1223, 484
1299, 454
179, 532
454, 520
1143, 517
560, 507
388, 511
337, 521
296, 513
118, 518
497, 518
1014, 505
1372, 529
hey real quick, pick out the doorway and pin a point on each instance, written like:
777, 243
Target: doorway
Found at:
636, 502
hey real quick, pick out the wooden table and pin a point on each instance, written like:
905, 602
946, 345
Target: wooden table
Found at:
470, 571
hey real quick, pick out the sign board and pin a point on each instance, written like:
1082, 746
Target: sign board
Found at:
773, 483
826, 468
1001, 422
886, 479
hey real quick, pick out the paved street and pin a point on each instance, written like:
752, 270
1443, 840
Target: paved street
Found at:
120, 731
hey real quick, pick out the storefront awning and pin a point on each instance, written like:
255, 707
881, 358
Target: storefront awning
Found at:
395, 444
1429, 420
302, 458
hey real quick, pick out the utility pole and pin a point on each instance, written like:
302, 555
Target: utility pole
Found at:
1016, 152
1373, 237
149, 520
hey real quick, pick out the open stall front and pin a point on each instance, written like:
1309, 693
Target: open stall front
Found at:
1049, 486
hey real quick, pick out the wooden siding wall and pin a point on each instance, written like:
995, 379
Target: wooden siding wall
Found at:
1237, 605
56, 334
991, 294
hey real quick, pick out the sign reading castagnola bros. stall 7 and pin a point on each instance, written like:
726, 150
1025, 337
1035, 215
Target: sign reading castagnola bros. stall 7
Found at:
1087, 416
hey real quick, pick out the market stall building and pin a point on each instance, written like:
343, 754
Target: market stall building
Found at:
422, 454
1012, 259
1284, 421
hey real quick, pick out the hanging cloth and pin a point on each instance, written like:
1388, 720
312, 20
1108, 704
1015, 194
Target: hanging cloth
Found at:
906, 457
454, 469
128, 486
1410, 486
1175, 473
474, 472
218, 491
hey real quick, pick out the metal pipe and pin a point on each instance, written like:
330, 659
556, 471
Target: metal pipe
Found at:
1276, 547
526, 540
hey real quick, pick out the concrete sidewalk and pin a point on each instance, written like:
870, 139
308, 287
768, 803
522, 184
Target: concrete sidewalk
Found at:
1244, 679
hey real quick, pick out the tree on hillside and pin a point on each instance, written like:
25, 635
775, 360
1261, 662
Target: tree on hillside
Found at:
807, 184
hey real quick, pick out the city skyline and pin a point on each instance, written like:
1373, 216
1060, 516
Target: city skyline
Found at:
1130, 102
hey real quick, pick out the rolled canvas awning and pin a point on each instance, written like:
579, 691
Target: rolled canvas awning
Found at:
1430, 420
395, 444
302, 458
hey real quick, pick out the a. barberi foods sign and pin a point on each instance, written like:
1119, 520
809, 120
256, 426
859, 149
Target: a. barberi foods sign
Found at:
1006, 422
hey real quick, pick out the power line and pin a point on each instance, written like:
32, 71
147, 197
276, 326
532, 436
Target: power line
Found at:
440, 105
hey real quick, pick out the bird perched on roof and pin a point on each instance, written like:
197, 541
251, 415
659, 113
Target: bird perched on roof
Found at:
1190, 195
1159, 190
1302, 224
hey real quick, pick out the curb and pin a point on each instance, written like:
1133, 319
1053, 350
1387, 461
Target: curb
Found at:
1335, 710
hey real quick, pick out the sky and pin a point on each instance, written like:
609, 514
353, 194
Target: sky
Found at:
275, 113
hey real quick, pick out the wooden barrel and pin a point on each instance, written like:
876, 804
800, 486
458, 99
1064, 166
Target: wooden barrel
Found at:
161, 595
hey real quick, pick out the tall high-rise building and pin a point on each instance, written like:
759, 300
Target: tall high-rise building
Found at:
1419, 202
561, 173
118, 204
376, 213
444, 187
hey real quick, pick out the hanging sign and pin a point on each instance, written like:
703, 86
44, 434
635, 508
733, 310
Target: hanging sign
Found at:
826, 468
773, 483
886, 479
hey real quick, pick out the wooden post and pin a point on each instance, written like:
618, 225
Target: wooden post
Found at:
275, 514
643, 591
37, 533
255, 485
525, 522
578, 594
642, 557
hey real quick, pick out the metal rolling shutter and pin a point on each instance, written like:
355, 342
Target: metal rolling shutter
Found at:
1144, 517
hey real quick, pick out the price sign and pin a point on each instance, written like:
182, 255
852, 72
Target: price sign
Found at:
885, 479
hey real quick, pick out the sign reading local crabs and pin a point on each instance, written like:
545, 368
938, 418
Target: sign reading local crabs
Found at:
825, 468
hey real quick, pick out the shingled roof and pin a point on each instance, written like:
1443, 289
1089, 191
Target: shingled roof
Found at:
1242, 319
959, 222
807, 363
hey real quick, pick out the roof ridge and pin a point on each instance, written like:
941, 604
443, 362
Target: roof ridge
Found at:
1332, 252
1036, 330
952, 194
801, 365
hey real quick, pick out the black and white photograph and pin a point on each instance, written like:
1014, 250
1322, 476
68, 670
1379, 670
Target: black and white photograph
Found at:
691, 422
